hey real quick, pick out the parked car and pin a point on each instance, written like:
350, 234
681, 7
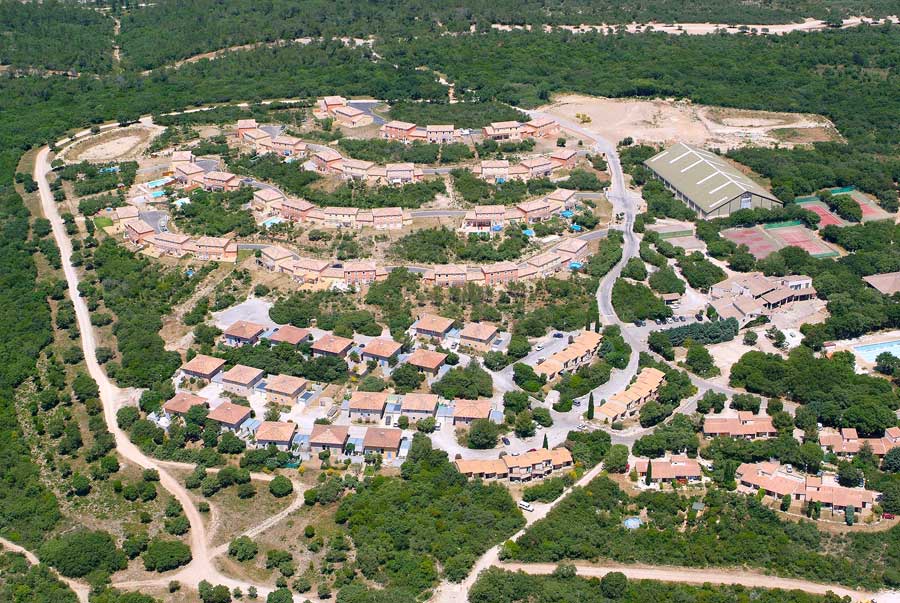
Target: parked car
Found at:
539, 347
699, 316
558, 335
888, 516
682, 318
525, 506
505, 440
789, 468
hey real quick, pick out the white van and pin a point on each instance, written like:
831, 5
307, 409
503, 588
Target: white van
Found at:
526, 506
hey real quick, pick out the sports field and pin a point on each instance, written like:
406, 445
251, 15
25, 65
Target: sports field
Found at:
763, 241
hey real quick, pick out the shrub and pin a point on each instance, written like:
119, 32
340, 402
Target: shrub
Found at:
243, 549
280, 486
164, 555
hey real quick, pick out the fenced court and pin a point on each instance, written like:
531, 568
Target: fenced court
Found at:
804, 238
826, 218
755, 238
870, 208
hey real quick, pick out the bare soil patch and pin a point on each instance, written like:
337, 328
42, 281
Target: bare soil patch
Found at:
668, 121
116, 145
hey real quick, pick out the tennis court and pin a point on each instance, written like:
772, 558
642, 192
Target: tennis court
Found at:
826, 218
804, 238
755, 238
870, 208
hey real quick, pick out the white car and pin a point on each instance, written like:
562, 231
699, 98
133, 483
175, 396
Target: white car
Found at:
539, 347
526, 506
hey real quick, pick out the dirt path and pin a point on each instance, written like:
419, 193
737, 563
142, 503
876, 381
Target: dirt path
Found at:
82, 591
685, 575
201, 566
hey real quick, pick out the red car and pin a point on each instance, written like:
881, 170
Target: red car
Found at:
887, 516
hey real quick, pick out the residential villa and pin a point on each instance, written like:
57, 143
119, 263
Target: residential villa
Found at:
402, 173
221, 181
495, 171
628, 402
328, 161
351, 117
125, 213
567, 198
418, 406
332, 345
500, 273
545, 264
180, 158
382, 351
290, 335
286, 146
503, 130
478, 336
677, 468
384, 441
296, 210
137, 231
578, 353
775, 481
397, 130
537, 167
745, 425
328, 437
441, 134
214, 248
329, 104
389, 218
307, 270
266, 200
572, 250
467, 411
241, 379
564, 158
432, 326
244, 126
486, 219
535, 211
427, 361
169, 243
361, 273
518, 468
846, 443
285, 390
277, 433
189, 174
275, 259
243, 332
202, 367
182, 402
258, 139
229, 416
747, 296
447, 275
542, 127
367, 406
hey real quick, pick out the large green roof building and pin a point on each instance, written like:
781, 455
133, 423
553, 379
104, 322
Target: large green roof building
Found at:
707, 183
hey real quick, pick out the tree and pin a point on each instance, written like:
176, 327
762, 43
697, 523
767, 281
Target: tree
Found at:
542, 417
616, 460
483, 434
406, 378
281, 595
79, 553
515, 402
849, 476
849, 515
613, 585
785, 502
700, 361
84, 387
426, 425
524, 427
590, 409
648, 479
243, 548
546, 444
660, 343
164, 555
750, 337
280, 486
213, 594
891, 461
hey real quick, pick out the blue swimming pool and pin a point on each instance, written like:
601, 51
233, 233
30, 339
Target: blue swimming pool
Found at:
157, 194
268, 223
160, 182
870, 352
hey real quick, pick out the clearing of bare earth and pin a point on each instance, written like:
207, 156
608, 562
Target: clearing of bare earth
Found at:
668, 121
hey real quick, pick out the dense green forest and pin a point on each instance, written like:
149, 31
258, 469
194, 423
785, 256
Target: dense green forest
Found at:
733, 530
27, 508
55, 35
461, 115
171, 30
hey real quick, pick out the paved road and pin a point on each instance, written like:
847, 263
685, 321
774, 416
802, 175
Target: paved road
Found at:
748, 578
367, 106
155, 218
